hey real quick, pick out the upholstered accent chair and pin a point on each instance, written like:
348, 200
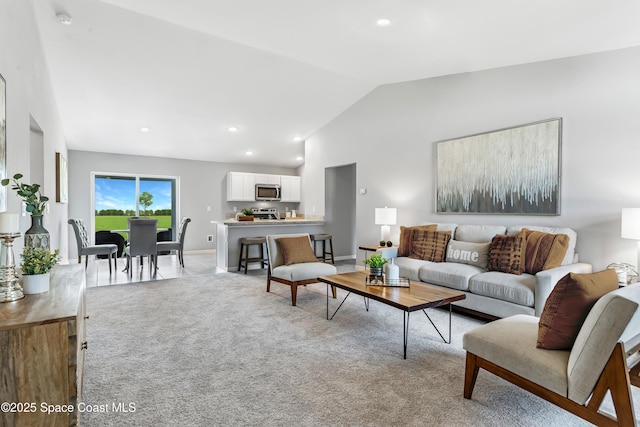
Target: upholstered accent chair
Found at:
578, 379
177, 245
142, 242
84, 248
294, 274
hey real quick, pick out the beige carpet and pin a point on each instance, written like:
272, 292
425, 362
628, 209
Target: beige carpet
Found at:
219, 350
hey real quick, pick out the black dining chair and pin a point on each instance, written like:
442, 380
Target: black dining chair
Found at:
142, 242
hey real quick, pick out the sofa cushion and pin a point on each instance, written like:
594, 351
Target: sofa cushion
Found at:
569, 304
506, 253
518, 289
410, 267
406, 238
429, 245
544, 250
468, 253
569, 257
296, 250
449, 274
478, 233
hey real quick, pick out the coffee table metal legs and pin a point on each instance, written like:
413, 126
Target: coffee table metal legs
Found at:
405, 319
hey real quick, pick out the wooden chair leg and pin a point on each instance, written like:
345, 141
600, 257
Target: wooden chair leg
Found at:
268, 280
470, 375
294, 294
240, 256
79, 259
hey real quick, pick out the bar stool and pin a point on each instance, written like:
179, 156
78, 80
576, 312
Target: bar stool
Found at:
245, 243
323, 238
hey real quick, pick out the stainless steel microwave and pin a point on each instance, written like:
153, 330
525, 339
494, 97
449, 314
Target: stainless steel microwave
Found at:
268, 192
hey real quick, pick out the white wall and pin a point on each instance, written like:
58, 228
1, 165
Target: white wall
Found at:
391, 135
29, 94
202, 184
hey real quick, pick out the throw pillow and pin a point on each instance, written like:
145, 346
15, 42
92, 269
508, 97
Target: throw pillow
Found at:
506, 253
468, 253
544, 250
568, 306
296, 250
406, 237
430, 245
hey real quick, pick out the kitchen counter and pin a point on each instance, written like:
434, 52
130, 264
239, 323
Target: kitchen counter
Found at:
270, 222
229, 231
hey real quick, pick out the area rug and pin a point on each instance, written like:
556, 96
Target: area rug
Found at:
218, 350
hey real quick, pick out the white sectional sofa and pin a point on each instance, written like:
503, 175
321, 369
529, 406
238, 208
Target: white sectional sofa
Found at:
491, 293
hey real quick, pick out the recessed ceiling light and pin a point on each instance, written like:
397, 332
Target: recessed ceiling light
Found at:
297, 139
299, 158
249, 153
383, 22
232, 129
144, 129
64, 19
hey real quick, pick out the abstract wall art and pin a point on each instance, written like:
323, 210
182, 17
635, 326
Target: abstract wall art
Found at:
508, 171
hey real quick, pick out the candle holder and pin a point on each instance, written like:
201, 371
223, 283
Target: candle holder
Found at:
10, 289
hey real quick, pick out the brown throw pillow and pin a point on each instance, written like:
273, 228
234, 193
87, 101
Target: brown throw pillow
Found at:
544, 250
430, 245
506, 253
296, 250
406, 237
568, 306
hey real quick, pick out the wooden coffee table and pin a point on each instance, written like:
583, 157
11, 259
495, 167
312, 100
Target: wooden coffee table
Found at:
418, 296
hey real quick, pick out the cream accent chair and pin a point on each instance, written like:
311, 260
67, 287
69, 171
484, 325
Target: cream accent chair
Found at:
296, 274
575, 380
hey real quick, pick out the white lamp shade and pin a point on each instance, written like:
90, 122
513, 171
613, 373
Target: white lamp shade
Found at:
630, 223
386, 216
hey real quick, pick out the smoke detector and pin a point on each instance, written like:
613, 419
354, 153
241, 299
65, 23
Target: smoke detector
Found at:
64, 19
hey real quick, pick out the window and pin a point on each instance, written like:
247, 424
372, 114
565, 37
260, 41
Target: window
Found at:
120, 197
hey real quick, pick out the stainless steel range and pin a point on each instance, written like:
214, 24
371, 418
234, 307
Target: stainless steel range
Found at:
266, 213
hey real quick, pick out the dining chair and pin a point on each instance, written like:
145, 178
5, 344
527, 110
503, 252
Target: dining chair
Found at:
177, 245
84, 248
142, 242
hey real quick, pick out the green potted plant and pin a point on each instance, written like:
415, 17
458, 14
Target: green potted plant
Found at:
246, 215
36, 266
35, 203
375, 262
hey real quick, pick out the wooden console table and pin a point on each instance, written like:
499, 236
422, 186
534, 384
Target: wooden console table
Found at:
42, 347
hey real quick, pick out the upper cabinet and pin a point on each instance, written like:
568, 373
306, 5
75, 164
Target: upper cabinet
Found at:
290, 188
241, 186
262, 178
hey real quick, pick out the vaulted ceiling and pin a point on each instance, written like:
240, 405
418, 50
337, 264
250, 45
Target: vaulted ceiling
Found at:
188, 70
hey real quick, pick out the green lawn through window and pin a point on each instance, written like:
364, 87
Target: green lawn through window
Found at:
121, 222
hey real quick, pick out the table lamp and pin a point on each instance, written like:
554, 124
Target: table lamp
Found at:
385, 217
631, 226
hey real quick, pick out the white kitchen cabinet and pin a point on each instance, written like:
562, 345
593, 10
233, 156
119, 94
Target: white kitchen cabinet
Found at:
262, 178
241, 186
290, 188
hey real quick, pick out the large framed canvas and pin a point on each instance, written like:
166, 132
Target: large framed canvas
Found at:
508, 171
3, 143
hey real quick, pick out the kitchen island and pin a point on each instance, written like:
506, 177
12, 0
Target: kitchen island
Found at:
228, 233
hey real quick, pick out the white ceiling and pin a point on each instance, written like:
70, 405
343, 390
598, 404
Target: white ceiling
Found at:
276, 69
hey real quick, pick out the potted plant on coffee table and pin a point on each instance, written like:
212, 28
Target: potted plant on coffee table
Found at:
36, 266
375, 262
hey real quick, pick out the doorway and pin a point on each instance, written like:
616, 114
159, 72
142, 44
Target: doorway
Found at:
340, 209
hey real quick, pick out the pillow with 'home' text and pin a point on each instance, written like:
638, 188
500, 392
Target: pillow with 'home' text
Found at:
468, 253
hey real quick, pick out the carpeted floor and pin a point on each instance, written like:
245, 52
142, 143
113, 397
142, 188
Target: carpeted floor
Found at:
219, 350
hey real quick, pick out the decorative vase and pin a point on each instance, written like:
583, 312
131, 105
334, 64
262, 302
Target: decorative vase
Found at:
392, 271
37, 236
35, 283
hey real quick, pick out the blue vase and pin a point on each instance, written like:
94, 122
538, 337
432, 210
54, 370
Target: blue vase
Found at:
37, 236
